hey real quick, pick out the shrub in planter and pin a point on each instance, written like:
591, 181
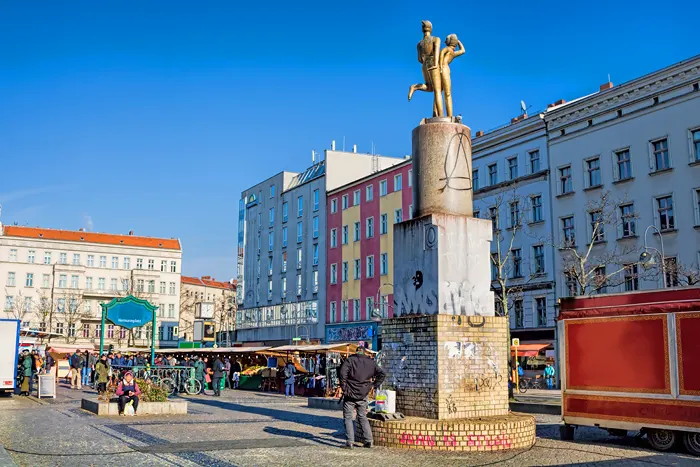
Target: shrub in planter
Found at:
151, 392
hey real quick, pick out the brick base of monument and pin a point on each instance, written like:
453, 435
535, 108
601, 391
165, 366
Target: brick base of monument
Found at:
512, 431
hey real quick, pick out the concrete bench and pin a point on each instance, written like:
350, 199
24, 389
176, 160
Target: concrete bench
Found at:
102, 407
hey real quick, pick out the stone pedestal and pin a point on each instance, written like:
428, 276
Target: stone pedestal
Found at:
445, 352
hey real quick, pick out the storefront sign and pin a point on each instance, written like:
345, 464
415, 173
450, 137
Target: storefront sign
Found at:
251, 201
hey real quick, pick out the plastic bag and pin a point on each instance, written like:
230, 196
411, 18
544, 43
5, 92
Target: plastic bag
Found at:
385, 401
129, 409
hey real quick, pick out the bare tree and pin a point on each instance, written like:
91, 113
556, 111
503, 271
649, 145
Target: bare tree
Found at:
44, 311
71, 313
18, 309
591, 267
187, 312
681, 275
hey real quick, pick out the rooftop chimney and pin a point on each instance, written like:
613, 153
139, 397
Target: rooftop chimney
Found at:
333, 145
479, 133
354, 148
206, 278
81, 230
559, 102
131, 232
606, 86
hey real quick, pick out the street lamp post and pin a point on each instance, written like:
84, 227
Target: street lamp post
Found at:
646, 259
376, 313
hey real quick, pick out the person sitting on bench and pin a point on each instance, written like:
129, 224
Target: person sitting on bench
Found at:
128, 391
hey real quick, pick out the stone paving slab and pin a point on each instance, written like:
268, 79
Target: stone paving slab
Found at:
234, 430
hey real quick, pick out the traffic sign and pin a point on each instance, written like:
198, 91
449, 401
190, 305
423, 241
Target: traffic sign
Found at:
516, 342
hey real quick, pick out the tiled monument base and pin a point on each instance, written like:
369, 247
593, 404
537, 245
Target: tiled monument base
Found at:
513, 431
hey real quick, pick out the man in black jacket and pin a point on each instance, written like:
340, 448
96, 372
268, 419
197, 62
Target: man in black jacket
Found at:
218, 374
357, 376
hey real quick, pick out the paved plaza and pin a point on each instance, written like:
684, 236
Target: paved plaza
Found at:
244, 428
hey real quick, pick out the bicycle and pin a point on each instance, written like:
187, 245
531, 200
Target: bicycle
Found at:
178, 382
527, 383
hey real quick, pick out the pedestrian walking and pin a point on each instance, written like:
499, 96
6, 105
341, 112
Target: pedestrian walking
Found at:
549, 375
25, 373
227, 373
102, 375
218, 374
86, 370
357, 376
199, 371
289, 371
76, 368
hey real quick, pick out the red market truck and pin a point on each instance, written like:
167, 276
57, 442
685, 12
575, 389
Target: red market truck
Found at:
631, 362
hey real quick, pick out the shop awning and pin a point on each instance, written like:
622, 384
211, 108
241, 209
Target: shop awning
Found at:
529, 350
213, 350
319, 348
68, 348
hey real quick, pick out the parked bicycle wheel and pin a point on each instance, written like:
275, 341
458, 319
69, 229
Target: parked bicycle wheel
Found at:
522, 386
192, 387
168, 385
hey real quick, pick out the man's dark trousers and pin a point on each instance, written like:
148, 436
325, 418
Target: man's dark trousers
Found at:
216, 383
360, 406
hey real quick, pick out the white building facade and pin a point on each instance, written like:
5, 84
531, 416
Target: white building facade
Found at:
510, 175
221, 299
55, 280
637, 144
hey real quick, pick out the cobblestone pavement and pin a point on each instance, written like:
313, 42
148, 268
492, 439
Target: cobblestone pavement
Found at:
244, 428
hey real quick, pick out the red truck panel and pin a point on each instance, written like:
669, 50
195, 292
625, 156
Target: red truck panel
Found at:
688, 342
618, 354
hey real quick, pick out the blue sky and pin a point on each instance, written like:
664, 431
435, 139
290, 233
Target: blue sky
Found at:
154, 116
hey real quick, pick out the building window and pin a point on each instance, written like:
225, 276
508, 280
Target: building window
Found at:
514, 214
45, 280
383, 224
345, 271
285, 212
398, 216
382, 188
173, 266
151, 285
565, 182
30, 256
513, 168
493, 174
697, 206
410, 177
345, 235
284, 237
139, 263
541, 308
76, 259
534, 161
127, 263
272, 216
270, 241
272, 191
284, 261
171, 288
671, 269
356, 310
369, 306
344, 311
315, 281
140, 283
88, 283
568, 231
73, 282
538, 255
59, 328
317, 200
356, 198
62, 258
161, 290
298, 285
300, 232
300, 261
47, 256
284, 287
344, 202
356, 232
370, 266
357, 270
334, 205
315, 254
475, 179
269, 289
519, 314
370, 227
151, 264
332, 312
315, 224
334, 238
624, 164
662, 160
334, 273
629, 221
13, 256
517, 258
103, 261
11, 279
493, 215
300, 206
62, 281
536, 202
369, 193
600, 281
597, 227
631, 276
664, 208
29, 282
384, 264
86, 331
397, 182
696, 145
163, 266
9, 302
593, 170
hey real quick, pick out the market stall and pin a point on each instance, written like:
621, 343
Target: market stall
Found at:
60, 354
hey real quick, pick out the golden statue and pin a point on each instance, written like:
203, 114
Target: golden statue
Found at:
454, 49
428, 56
